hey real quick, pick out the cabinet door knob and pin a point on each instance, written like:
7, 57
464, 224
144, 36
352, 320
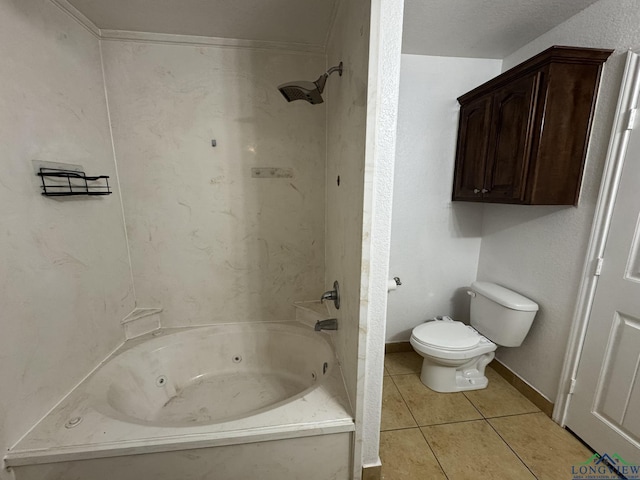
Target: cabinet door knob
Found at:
476, 190
484, 190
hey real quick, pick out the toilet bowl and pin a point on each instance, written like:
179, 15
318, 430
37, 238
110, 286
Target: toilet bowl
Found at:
455, 355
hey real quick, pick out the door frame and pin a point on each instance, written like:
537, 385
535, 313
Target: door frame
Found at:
621, 131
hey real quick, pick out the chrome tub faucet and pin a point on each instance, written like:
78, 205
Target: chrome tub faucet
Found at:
332, 295
329, 324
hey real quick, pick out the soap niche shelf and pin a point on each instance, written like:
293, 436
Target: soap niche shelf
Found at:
58, 182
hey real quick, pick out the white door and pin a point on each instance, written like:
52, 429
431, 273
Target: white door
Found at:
604, 409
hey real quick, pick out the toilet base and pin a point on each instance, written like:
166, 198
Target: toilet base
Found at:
456, 378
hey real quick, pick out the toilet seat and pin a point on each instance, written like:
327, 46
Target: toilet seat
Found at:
448, 339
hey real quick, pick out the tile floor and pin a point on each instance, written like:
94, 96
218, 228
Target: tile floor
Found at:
495, 433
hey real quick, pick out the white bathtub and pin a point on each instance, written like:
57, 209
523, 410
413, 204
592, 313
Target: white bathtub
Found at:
232, 399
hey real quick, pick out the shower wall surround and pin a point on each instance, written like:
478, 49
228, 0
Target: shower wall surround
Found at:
346, 136
209, 243
65, 281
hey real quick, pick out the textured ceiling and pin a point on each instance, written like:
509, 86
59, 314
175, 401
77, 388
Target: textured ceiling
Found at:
462, 28
480, 28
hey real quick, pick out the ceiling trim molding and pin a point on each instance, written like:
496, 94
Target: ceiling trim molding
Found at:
173, 39
77, 15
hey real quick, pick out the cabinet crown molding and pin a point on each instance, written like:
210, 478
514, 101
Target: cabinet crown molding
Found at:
555, 54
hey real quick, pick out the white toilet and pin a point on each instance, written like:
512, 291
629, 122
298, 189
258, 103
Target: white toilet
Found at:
455, 354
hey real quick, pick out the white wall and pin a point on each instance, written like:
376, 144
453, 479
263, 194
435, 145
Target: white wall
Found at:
361, 129
435, 243
209, 243
385, 46
539, 251
65, 282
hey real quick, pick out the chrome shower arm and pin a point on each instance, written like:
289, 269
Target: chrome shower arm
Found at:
321, 82
337, 68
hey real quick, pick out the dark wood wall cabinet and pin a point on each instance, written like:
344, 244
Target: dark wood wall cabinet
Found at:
523, 136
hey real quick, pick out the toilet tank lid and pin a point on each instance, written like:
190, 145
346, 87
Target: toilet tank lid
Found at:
504, 296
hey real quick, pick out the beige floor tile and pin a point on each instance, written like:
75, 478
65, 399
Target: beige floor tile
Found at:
473, 451
403, 362
395, 413
547, 449
386, 372
405, 455
499, 398
431, 408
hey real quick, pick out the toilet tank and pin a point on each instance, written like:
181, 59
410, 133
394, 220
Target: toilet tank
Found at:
500, 314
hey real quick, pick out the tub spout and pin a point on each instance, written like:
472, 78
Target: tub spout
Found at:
329, 324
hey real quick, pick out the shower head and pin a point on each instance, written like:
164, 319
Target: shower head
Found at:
309, 91
301, 90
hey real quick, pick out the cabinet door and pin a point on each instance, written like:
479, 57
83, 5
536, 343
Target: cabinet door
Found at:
511, 136
471, 155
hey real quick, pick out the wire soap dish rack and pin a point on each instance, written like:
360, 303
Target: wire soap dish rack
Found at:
59, 182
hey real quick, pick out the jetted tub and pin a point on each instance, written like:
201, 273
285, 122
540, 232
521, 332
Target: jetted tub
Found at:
182, 402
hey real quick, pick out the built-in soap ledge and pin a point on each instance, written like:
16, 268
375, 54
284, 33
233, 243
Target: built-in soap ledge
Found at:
141, 321
309, 312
